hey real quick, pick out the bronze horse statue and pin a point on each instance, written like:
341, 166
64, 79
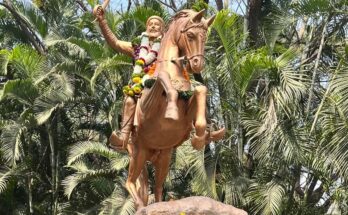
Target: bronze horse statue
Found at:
157, 134
162, 120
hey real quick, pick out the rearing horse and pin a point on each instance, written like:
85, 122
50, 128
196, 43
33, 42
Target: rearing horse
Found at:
163, 121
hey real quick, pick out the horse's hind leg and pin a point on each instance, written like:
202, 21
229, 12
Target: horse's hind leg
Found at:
143, 185
161, 171
136, 165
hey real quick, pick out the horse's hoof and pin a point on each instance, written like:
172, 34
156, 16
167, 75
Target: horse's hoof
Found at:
198, 143
172, 113
217, 135
139, 205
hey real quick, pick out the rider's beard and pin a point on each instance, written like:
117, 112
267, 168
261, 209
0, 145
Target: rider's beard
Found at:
154, 34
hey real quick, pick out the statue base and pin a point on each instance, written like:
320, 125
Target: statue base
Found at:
196, 205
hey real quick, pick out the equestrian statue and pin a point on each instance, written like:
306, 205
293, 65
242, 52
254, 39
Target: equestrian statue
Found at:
162, 105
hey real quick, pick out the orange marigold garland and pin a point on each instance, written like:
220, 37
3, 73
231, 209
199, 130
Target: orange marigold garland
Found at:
185, 74
145, 56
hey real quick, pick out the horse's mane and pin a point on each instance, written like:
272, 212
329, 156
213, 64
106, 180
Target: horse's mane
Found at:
179, 15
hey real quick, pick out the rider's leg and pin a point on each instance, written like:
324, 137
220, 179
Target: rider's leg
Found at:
121, 141
172, 96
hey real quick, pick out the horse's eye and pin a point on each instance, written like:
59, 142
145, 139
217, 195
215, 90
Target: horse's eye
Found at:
190, 35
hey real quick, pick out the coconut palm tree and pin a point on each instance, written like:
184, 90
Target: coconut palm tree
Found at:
283, 103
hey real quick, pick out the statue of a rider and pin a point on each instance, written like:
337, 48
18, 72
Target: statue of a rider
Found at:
144, 52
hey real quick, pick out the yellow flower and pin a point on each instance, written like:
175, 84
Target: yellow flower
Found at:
130, 93
126, 89
182, 213
140, 62
137, 90
136, 80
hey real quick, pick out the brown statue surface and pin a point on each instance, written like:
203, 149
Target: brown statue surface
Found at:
196, 205
163, 121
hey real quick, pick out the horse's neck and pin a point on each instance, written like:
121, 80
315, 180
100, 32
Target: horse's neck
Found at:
169, 51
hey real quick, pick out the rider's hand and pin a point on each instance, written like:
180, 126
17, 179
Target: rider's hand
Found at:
98, 12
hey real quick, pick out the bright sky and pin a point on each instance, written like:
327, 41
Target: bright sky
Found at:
237, 6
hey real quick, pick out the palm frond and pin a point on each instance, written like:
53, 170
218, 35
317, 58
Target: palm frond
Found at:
98, 180
11, 143
202, 167
5, 176
33, 17
119, 202
274, 24
235, 190
71, 48
27, 63
340, 88
83, 148
266, 198
93, 48
280, 140
22, 90
308, 7
115, 64
61, 90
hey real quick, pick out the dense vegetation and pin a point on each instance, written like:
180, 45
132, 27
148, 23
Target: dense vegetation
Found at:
278, 82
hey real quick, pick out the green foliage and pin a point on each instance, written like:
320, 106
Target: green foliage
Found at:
23, 90
59, 106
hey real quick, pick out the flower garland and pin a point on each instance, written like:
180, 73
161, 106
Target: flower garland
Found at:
145, 58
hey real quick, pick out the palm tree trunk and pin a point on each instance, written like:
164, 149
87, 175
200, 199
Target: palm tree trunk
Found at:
30, 195
246, 22
325, 95
219, 4
253, 21
25, 27
317, 65
53, 157
240, 146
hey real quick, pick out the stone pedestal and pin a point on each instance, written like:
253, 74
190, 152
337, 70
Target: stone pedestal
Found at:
196, 205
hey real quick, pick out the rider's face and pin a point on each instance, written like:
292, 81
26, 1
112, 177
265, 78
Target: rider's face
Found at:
154, 28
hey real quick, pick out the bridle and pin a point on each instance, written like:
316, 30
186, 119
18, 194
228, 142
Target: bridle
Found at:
184, 59
184, 37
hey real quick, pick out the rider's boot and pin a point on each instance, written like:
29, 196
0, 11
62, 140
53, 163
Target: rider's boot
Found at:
119, 141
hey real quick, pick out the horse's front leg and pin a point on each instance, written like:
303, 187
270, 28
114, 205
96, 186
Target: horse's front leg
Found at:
172, 96
197, 109
161, 171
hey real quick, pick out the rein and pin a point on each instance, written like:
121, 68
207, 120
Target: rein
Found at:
184, 59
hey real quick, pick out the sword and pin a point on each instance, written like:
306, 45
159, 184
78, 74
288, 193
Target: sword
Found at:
104, 6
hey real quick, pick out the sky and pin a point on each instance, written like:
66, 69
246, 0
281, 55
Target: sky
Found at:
237, 6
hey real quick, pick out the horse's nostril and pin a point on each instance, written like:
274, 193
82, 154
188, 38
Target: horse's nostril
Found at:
195, 61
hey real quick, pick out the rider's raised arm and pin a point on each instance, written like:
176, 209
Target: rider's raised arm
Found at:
119, 45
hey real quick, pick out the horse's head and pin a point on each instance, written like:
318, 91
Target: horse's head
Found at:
191, 37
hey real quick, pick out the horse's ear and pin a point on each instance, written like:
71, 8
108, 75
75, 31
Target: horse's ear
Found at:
210, 20
198, 17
